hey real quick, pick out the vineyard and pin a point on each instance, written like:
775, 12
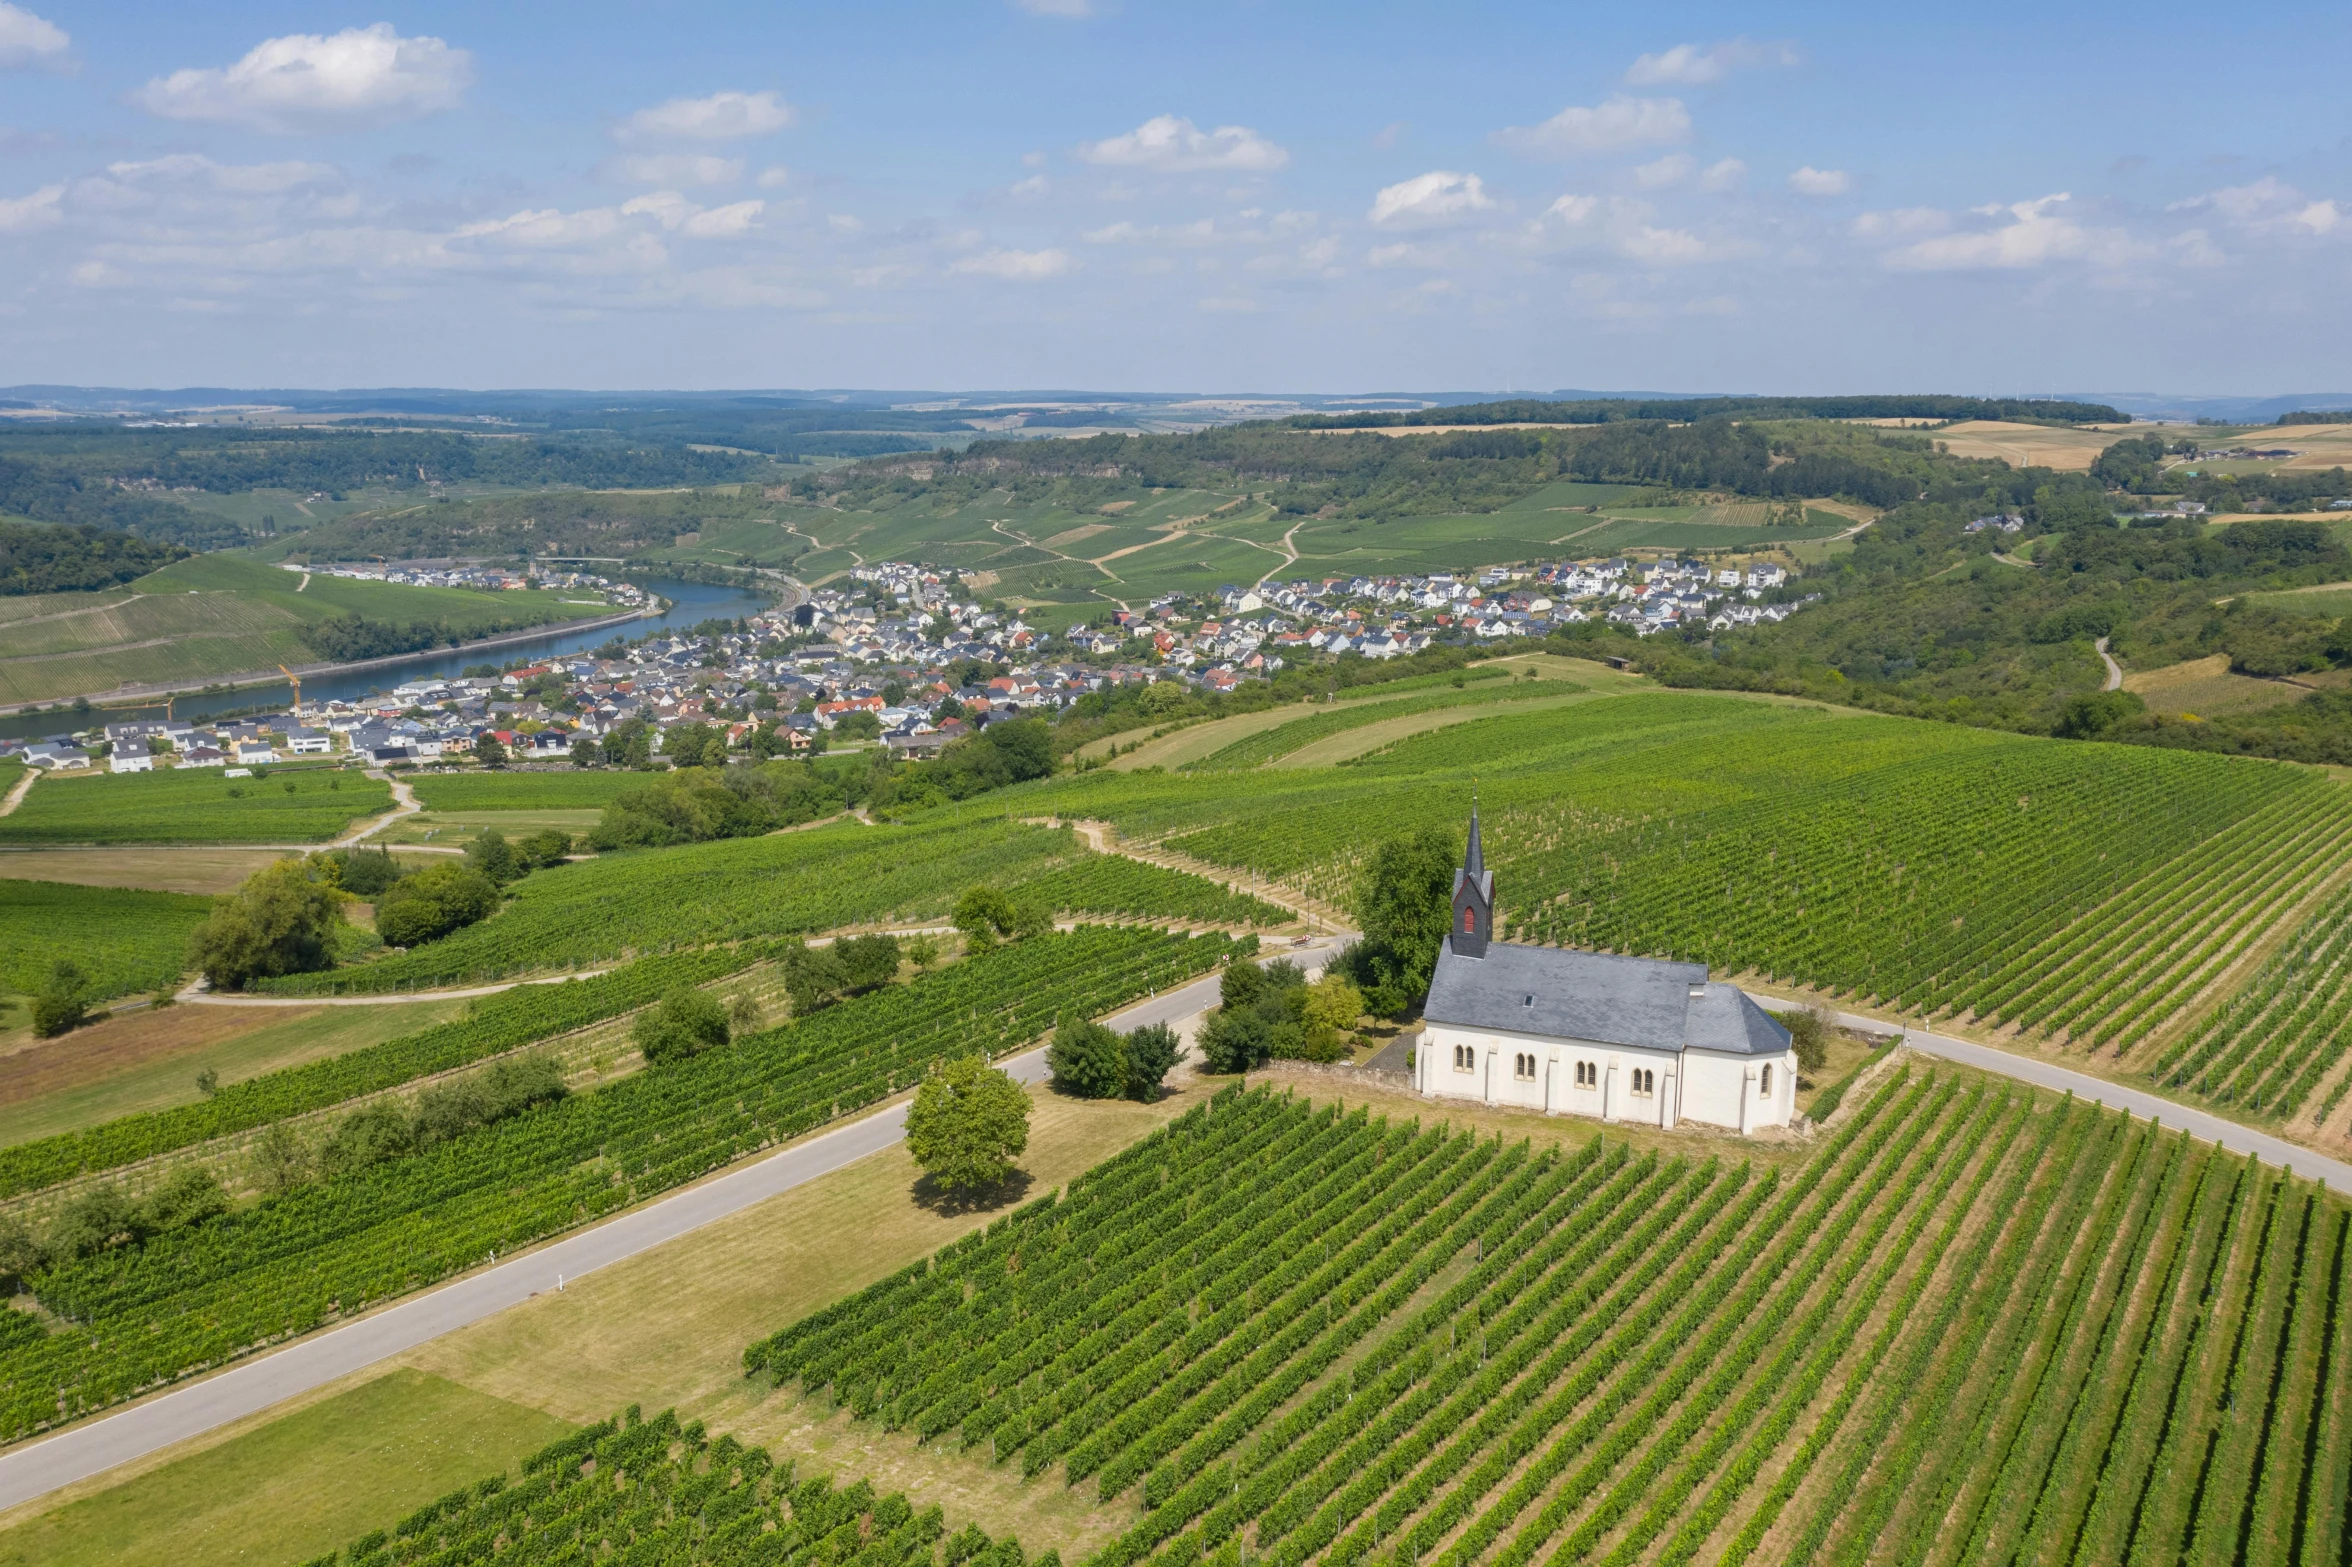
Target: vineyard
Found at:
123, 940
790, 883
1972, 1326
192, 1298
492, 1025
649, 1491
1267, 744
572, 791
196, 805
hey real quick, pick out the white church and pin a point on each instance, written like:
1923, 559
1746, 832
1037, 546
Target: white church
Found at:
1584, 1033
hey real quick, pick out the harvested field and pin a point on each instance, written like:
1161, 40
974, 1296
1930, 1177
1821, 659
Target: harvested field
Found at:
2027, 445
210, 872
2206, 688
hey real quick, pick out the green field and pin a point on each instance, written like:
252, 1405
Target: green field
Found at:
1974, 1326
123, 940
217, 615
573, 791
196, 805
1268, 744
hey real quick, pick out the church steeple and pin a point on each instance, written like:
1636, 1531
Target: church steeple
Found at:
1473, 896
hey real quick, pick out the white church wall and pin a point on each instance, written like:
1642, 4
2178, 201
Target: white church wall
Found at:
1718, 1087
1612, 1090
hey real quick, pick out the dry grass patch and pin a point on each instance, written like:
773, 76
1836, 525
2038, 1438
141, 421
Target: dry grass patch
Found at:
2027, 445
208, 872
2205, 688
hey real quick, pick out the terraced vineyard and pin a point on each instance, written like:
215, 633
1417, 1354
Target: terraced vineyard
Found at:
784, 884
655, 1491
123, 939
196, 805
1972, 1326
190, 1298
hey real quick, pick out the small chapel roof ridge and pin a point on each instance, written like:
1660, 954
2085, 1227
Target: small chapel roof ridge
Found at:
1642, 1003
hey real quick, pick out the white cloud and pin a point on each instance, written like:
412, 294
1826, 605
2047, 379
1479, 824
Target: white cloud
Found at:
243, 179
1066, 10
1645, 242
25, 214
774, 177
1692, 65
1440, 196
1619, 123
1810, 181
2268, 205
1723, 176
2035, 234
1019, 266
26, 39
723, 116
677, 168
362, 76
1035, 188
674, 212
1175, 145
1573, 209
1902, 222
1672, 169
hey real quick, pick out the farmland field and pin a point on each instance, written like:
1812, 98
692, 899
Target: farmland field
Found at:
783, 884
1268, 744
123, 940
219, 615
196, 805
1972, 1326
501, 791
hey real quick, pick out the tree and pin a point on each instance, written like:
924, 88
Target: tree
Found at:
282, 921
432, 903
686, 1023
62, 1001
544, 848
1333, 1002
1406, 905
1151, 1055
280, 1160
984, 914
1809, 1031
967, 1125
2090, 716
495, 858
586, 751
489, 752
1088, 1059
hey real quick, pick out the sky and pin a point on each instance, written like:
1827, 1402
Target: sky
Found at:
1214, 196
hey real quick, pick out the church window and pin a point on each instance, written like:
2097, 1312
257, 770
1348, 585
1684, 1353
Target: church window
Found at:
1587, 1074
1523, 1067
1465, 1058
1469, 922
1765, 1092
1644, 1080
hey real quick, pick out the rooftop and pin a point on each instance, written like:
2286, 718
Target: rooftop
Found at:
1643, 1003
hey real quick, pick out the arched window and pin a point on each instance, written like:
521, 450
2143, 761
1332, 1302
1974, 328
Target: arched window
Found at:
1765, 1090
1644, 1080
1523, 1067
1469, 922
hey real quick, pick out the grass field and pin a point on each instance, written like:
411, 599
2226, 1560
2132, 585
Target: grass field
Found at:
2205, 687
572, 791
292, 1488
123, 940
209, 872
1269, 744
148, 1060
2027, 445
218, 615
442, 829
195, 805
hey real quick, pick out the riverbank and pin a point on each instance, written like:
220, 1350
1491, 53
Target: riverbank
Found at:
148, 693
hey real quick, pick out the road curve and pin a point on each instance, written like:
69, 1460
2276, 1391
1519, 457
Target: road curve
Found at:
93, 1446
2114, 670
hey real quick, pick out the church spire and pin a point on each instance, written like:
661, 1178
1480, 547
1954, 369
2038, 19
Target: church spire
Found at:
1473, 896
1475, 861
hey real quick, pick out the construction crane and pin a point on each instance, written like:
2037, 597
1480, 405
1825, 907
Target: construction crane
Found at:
296, 681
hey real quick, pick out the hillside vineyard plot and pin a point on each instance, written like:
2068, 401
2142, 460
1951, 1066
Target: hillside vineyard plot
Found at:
492, 1025
1970, 1327
651, 1491
138, 1316
1268, 744
122, 939
789, 883
196, 805
461, 792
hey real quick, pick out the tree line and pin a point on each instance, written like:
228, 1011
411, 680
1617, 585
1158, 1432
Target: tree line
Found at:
75, 558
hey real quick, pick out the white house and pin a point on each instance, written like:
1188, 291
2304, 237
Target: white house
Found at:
1588, 1033
130, 756
309, 742
255, 752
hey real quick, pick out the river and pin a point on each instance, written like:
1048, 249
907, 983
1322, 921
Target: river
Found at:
690, 603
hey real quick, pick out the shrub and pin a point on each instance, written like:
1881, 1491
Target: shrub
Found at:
1151, 1054
432, 903
967, 1125
685, 1024
62, 1001
1088, 1059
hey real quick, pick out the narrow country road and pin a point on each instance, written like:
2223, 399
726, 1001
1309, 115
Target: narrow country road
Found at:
250, 1386
24, 786
2114, 670
404, 803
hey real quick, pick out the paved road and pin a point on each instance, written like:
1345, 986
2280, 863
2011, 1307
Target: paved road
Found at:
2114, 670
2099, 1090
94, 1446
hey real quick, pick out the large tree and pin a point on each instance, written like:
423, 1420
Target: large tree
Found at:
1406, 905
282, 921
967, 1125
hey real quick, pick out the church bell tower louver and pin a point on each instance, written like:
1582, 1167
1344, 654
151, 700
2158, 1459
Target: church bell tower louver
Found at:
1473, 897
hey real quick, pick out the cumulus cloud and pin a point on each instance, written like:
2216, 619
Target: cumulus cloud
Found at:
774, 177
27, 214
1902, 222
1573, 209
1672, 169
1440, 196
1695, 65
243, 179
2025, 234
674, 212
362, 76
2269, 205
1608, 127
723, 116
1018, 266
26, 39
1810, 181
1172, 144
677, 168
1722, 176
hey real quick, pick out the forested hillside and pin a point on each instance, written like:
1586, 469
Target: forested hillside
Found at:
75, 559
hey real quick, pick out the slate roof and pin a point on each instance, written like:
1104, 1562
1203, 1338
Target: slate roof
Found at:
1643, 1003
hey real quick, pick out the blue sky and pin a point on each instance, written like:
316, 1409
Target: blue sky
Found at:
1142, 195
